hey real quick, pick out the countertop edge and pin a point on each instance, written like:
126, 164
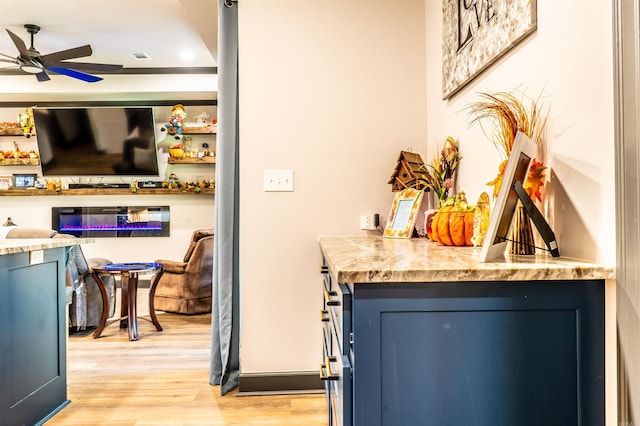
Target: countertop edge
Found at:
372, 259
11, 246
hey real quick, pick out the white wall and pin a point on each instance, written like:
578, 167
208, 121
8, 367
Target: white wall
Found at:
335, 89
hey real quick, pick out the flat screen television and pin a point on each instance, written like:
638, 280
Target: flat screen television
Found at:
96, 141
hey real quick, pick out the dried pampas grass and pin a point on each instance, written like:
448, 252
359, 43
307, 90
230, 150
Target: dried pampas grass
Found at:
507, 113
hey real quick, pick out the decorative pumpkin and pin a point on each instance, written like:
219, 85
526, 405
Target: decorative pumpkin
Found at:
453, 223
176, 151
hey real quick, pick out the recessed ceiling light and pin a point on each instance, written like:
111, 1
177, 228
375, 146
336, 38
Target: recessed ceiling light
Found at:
186, 55
140, 56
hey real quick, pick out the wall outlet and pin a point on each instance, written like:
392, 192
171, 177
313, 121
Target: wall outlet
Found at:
370, 222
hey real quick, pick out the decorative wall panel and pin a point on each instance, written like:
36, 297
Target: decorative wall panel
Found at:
475, 33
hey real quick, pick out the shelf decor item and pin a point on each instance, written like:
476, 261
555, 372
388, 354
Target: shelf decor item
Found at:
452, 224
176, 122
5, 182
23, 181
508, 113
403, 214
444, 170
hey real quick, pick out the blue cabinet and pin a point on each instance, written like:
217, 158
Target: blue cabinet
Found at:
526, 353
33, 371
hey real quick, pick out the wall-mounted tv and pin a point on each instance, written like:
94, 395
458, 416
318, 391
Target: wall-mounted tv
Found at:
96, 141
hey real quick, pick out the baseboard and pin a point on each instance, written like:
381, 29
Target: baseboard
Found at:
280, 383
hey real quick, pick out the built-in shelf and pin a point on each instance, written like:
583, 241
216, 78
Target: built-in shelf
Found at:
199, 130
11, 131
192, 160
107, 191
19, 161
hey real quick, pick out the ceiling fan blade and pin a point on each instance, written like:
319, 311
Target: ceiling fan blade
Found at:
43, 76
75, 74
76, 52
22, 48
13, 61
87, 66
8, 56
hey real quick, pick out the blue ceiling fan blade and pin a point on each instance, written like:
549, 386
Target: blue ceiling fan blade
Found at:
75, 74
42, 76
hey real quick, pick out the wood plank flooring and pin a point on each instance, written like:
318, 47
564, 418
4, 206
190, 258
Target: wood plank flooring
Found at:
163, 379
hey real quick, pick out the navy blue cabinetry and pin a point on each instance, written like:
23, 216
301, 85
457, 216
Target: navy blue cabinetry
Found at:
33, 372
335, 369
526, 353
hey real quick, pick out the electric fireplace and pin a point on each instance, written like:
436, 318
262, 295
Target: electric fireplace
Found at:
130, 221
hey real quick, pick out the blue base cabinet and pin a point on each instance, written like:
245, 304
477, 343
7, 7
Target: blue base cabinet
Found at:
33, 371
527, 353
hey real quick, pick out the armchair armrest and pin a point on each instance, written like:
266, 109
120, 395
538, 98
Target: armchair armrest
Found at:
172, 266
97, 262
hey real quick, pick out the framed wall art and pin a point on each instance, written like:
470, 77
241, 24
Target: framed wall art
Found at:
475, 33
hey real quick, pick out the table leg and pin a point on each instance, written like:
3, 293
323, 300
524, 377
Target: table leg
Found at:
152, 294
124, 301
132, 287
105, 305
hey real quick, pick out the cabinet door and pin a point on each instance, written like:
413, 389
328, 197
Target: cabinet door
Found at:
33, 337
500, 354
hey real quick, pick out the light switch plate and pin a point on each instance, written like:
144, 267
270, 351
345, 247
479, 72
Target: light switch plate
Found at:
36, 257
278, 180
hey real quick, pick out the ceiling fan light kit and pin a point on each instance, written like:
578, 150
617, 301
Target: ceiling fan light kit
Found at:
32, 62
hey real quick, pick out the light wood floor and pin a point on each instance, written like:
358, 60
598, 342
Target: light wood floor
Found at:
163, 379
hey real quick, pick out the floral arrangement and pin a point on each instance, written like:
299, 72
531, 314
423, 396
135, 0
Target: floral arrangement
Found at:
440, 177
508, 113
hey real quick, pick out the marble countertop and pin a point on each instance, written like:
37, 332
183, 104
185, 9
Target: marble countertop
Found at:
373, 259
10, 246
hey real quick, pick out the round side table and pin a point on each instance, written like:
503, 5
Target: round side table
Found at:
128, 273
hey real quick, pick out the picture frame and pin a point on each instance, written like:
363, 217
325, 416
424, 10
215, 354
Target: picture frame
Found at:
403, 214
5, 182
24, 181
501, 218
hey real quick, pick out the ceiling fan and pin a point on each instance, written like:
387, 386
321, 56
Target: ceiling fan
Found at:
32, 62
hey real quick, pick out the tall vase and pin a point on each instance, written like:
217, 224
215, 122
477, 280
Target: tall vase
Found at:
522, 233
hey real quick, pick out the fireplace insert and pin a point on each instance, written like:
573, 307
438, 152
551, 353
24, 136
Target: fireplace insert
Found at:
130, 221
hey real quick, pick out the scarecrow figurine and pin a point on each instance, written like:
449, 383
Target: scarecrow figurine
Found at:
174, 126
26, 122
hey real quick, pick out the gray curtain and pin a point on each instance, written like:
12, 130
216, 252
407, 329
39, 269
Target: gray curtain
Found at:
225, 352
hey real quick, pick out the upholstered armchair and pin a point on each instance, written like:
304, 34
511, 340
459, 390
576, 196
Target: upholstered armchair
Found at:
86, 305
185, 287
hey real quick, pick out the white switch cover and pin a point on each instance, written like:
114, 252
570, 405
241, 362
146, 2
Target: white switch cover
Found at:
278, 180
36, 257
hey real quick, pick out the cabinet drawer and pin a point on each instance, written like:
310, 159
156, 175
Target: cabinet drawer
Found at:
336, 374
337, 311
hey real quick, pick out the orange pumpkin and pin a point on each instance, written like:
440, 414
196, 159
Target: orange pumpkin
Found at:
453, 225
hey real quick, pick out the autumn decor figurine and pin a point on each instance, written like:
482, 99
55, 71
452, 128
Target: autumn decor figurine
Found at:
439, 176
27, 124
502, 115
452, 224
174, 126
